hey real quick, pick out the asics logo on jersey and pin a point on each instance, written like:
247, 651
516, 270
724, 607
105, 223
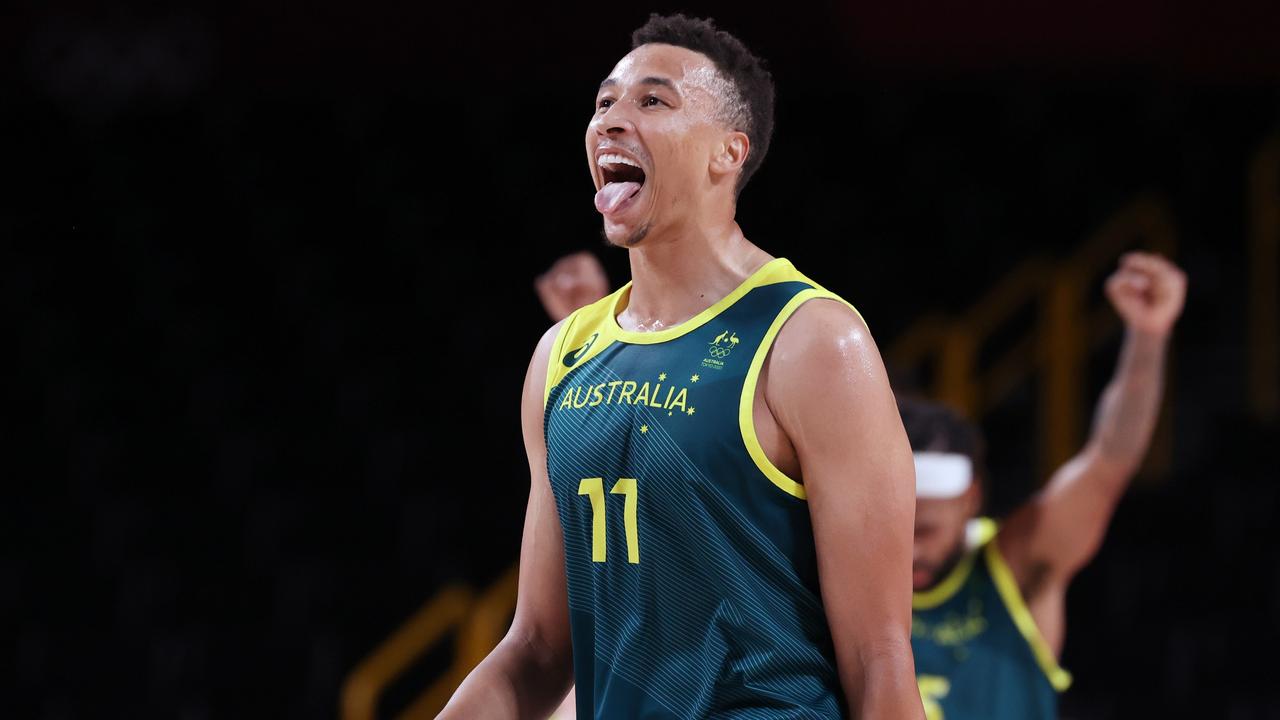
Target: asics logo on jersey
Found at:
574, 356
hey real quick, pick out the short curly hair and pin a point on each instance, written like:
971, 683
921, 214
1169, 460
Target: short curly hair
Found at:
934, 427
750, 108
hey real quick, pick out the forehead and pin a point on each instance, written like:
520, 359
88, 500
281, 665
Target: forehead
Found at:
682, 66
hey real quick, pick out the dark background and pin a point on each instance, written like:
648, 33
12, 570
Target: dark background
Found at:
267, 292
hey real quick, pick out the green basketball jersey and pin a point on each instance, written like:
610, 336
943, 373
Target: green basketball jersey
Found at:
979, 655
692, 579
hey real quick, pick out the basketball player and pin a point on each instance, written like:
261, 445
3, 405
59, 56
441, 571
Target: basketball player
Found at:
720, 515
988, 610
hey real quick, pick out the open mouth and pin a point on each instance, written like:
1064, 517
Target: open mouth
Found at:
622, 180
616, 168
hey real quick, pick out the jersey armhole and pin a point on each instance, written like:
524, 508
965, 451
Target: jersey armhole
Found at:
556, 347
746, 403
1007, 588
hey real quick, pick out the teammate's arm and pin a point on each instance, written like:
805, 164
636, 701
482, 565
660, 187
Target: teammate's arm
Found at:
1055, 534
571, 282
828, 389
528, 673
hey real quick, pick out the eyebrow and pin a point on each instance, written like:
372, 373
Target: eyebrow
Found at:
664, 82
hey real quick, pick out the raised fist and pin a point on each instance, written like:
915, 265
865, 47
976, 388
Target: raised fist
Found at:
573, 281
1148, 292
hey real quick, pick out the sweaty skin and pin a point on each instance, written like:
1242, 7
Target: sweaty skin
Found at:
838, 429
824, 411
1050, 538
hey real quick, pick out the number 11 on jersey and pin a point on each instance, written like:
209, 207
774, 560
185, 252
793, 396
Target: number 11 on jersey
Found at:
593, 488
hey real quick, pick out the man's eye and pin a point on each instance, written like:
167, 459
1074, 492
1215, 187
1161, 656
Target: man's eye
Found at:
650, 101
603, 103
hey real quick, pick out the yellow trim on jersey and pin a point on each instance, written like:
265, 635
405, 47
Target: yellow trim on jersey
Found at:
764, 275
595, 327
979, 530
584, 330
600, 319
746, 403
788, 273
950, 585
1007, 587
556, 347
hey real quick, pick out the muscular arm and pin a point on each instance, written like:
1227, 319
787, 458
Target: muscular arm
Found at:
528, 673
829, 392
1055, 534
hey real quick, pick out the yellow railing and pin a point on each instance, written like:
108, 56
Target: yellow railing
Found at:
478, 623
1264, 274
1068, 326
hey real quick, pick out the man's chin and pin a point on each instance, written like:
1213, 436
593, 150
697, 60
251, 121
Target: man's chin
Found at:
624, 236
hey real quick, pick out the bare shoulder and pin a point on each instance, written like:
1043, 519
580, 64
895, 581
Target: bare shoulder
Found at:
823, 336
830, 395
536, 375
825, 372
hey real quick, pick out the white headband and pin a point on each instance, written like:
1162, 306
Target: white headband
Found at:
942, 475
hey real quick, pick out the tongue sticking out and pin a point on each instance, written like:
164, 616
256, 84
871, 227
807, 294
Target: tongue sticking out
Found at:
613, 194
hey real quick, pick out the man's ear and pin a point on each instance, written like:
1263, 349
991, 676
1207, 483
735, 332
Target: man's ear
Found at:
730, 154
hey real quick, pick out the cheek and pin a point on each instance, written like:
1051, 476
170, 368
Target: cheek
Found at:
676, 140
680, 165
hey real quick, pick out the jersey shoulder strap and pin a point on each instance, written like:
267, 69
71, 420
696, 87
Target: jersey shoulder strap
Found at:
785, 271
589, 330
1007, 588
583, 335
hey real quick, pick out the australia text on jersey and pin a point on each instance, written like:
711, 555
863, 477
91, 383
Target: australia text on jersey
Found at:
630, 392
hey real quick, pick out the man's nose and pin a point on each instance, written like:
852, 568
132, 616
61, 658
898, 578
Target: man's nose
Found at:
614, 121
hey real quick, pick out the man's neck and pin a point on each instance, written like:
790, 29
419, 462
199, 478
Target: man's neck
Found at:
679, 274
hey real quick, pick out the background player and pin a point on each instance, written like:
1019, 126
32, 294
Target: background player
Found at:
757, 554
988, 610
